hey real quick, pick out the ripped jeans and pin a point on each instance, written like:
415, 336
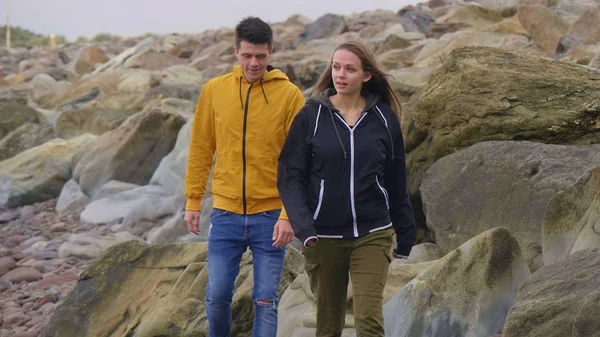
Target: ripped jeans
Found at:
229, 236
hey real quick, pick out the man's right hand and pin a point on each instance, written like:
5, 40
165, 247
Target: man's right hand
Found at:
192, 220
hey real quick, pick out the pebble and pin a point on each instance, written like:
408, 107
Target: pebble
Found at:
5, 285
7, 263
47, 309
34, 333
14, 319
58, 228
8, 216
11, 310
32, 277
22, 274
40, 266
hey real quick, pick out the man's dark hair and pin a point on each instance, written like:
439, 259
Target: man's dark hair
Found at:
253, 30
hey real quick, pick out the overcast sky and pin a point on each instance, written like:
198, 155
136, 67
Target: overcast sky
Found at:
74, 18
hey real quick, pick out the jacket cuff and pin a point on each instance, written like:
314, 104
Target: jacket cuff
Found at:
306, 232
310, 237
193, 204
403, 249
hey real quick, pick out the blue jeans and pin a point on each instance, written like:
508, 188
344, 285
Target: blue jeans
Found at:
229, 236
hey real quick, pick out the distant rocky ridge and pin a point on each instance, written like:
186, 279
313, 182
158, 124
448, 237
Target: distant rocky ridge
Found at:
501, 120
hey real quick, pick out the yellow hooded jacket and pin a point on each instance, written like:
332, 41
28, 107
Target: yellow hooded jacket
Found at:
245, 125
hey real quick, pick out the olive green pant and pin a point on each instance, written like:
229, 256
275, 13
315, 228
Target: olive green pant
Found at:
331, 262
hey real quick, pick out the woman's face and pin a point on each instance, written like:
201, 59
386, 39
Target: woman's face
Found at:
347, 72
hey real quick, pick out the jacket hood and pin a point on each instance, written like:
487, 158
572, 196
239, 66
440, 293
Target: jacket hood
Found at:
323, 99
272, 74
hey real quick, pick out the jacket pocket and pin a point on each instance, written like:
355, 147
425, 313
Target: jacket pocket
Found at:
385, 194
320, 202
273, 214
216, 212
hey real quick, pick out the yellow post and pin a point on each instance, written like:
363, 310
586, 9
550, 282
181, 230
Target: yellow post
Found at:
52, 41
8, 24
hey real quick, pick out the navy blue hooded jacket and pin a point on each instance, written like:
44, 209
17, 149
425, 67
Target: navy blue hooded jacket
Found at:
341, 181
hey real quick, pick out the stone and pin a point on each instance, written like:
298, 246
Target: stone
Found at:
91, 245
472, 15
524, 176
96, 121
572, 221
544, 26
88, 58
22, 274
392, 42
71, 199
561, 299
186, 76
13, 115
586, 28
182, 91
137, 80
38, 174
466, 293
14, 319
7, 263
129, 153
149, 202
153, 60
118, 61
161, 287
214, 55
434, 54
44, 87
170, 173
438, 30
25, 137
56, 280
504, 95
325, 26
416, 19
178, 106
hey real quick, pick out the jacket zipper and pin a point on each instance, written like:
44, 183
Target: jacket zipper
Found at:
320, 200
385, 194
352, 201
244, 149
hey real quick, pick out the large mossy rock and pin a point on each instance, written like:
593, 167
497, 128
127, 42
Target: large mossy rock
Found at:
559, 300
510, 184
466, 293
130, 153
39, 173
141, 290
484, 93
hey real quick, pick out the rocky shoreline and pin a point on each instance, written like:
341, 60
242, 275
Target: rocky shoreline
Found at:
32, 276
501, 118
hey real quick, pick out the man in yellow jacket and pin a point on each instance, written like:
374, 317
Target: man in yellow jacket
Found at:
243, 118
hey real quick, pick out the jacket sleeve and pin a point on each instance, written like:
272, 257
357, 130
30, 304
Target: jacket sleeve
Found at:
401, 211
292, 177
295, 105
201, 151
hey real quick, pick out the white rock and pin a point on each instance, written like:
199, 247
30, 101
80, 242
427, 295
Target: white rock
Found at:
71, 198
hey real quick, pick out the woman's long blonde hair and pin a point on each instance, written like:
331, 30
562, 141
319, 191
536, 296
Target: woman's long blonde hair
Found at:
378, 84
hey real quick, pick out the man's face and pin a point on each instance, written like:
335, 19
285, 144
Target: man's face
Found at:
253, 59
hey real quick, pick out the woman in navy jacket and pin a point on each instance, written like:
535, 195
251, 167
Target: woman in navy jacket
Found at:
342, 181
